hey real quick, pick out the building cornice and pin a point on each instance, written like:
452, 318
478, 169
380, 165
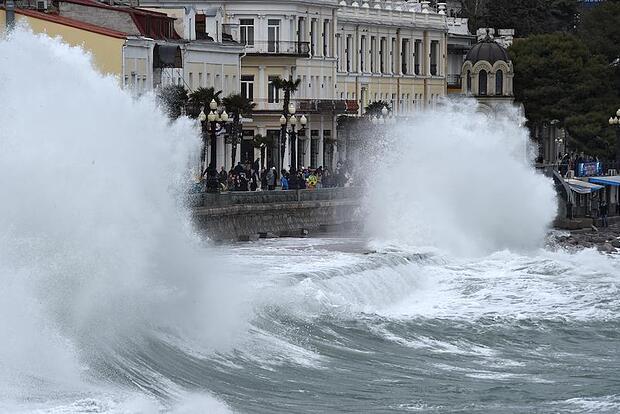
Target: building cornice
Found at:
390, 18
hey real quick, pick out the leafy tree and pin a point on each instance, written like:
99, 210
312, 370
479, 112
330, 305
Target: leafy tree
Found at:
525, 16
475, 11
173, 99
375, 107
600, 29
556, 77
202, 97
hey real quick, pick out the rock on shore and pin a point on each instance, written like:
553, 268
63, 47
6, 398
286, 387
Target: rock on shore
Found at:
604, 239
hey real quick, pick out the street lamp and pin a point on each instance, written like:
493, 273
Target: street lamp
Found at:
217, 123
203, 154
614, 121
291, 121
558, 145
384, 118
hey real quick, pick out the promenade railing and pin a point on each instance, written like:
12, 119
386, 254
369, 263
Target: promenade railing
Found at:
230, 198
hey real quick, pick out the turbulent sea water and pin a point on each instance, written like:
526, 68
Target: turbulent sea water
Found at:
449, 303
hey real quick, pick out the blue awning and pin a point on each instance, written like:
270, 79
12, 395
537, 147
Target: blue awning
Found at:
613, 180
582, 187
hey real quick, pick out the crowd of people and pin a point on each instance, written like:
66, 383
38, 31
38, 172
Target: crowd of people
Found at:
570, 161
251, 177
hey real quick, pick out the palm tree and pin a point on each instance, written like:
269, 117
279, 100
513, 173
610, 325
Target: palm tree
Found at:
237, 106
172, 98
374, 108
200, 98
289, 87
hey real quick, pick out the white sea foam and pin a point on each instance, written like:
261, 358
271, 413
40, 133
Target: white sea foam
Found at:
598, 405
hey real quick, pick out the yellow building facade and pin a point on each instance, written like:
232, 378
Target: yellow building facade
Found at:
113, 52
395, 55
106, 46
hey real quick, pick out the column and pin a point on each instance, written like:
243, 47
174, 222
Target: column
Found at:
227, 155
320, 159
332, 38
391, 47
221, 152
307, 143
410, 59
336, 142
260, 88
307, 26
260, 33
426, 54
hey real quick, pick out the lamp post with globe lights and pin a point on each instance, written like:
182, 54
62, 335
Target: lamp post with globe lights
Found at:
383, 119
288, 124
202, 118
614, 121
217, 122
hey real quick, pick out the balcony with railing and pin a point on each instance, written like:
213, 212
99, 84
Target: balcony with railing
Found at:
278, 47
308, 106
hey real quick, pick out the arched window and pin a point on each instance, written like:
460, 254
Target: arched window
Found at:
482, 82
499, 82
468, 81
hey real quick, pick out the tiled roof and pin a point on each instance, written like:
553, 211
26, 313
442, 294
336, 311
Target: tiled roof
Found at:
54, 18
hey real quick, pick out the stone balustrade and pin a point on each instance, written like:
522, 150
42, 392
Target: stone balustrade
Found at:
243, 215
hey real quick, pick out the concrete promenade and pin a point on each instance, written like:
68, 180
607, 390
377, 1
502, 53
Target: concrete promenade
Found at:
246, 215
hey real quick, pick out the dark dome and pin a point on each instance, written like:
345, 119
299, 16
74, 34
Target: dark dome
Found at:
487, 49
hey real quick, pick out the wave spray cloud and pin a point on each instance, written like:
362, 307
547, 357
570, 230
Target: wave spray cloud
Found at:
459, 180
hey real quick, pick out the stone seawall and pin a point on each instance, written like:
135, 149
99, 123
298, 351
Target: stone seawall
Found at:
246, 215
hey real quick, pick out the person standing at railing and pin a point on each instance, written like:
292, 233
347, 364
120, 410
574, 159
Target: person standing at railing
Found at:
223, 178
253, 180
263, 179
271, 179
243, 182
284, 180
603, 212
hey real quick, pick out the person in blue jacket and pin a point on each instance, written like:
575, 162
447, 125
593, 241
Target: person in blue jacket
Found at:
284, 180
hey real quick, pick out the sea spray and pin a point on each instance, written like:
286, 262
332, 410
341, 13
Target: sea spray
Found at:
459, 180
96, 250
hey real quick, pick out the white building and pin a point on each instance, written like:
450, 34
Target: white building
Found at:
346, 54
459, 43
395, 52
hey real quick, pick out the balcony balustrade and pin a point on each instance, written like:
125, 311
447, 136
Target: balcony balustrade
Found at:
278, 47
